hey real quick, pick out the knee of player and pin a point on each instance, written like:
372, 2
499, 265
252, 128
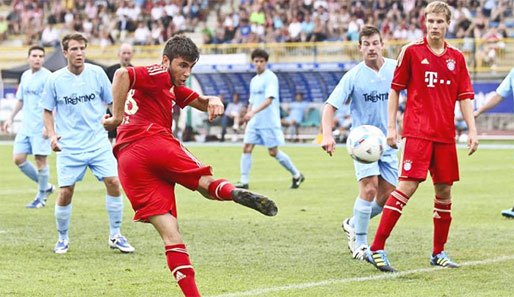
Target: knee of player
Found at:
369, 192
172, 237
19, 159
443, 191
112, 184
65, 195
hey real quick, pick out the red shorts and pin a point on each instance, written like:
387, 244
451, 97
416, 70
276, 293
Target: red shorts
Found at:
420, 155
149, 169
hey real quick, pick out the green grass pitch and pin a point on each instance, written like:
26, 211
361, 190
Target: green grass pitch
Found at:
238, 252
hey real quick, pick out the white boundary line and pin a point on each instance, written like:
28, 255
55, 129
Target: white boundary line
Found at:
358, 279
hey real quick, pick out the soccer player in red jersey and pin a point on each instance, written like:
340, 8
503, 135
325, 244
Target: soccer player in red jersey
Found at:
436, 77
151, 161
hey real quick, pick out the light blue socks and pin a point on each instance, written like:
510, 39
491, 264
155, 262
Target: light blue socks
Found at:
29, 170
114, 206
375, 209
62, 220
246, 165
285, 161
43, 176
361, 216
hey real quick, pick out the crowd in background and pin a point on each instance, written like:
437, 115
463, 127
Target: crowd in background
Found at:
104, 22
320, 20
146, 22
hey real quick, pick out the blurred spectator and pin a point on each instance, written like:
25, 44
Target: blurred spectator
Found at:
4, 26
294, 29
342, 124
142, 35
233, 116
51, 36
493, 44
295, 115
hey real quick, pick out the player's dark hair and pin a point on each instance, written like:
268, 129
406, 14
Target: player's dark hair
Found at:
73, 36
181, 46
368, 31
260, 53
36, 47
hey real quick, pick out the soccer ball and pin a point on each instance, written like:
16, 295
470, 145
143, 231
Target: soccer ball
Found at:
366, 144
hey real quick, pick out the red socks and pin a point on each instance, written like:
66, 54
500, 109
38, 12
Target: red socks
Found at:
221, 189
181, 269
442, 220
390, 215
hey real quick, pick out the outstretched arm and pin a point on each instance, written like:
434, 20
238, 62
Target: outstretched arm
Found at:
120, 89
495, 100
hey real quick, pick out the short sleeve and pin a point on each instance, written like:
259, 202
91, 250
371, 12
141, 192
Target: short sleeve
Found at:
19, 91
271, 89
465, 90
105, 87
48, 98
342, 91
184, 96
505, 88
403, 70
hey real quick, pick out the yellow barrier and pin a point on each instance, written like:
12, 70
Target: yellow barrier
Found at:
476, 52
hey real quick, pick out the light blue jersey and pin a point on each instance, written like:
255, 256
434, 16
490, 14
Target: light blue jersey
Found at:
79, 101
505, 89
263, 86
30, 91
368, 91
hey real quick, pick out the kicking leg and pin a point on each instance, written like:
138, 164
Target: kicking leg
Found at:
223, 190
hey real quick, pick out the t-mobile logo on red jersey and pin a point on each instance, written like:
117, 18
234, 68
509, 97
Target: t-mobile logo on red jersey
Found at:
431, 79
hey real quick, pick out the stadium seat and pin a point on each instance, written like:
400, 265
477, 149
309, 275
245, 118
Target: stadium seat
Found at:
312, 119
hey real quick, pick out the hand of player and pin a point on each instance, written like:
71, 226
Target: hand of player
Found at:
54, 143
6, 126
248, 116
472, 142
215, 108
392, 138
110, 123
476, 114
328, 144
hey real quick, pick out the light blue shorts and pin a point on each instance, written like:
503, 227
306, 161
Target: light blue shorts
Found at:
269, 137
32, 145
72, 167
386, 167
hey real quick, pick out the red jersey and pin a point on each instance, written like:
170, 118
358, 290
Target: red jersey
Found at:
148, 109
434, 83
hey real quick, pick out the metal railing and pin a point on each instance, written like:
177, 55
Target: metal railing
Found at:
476, 51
